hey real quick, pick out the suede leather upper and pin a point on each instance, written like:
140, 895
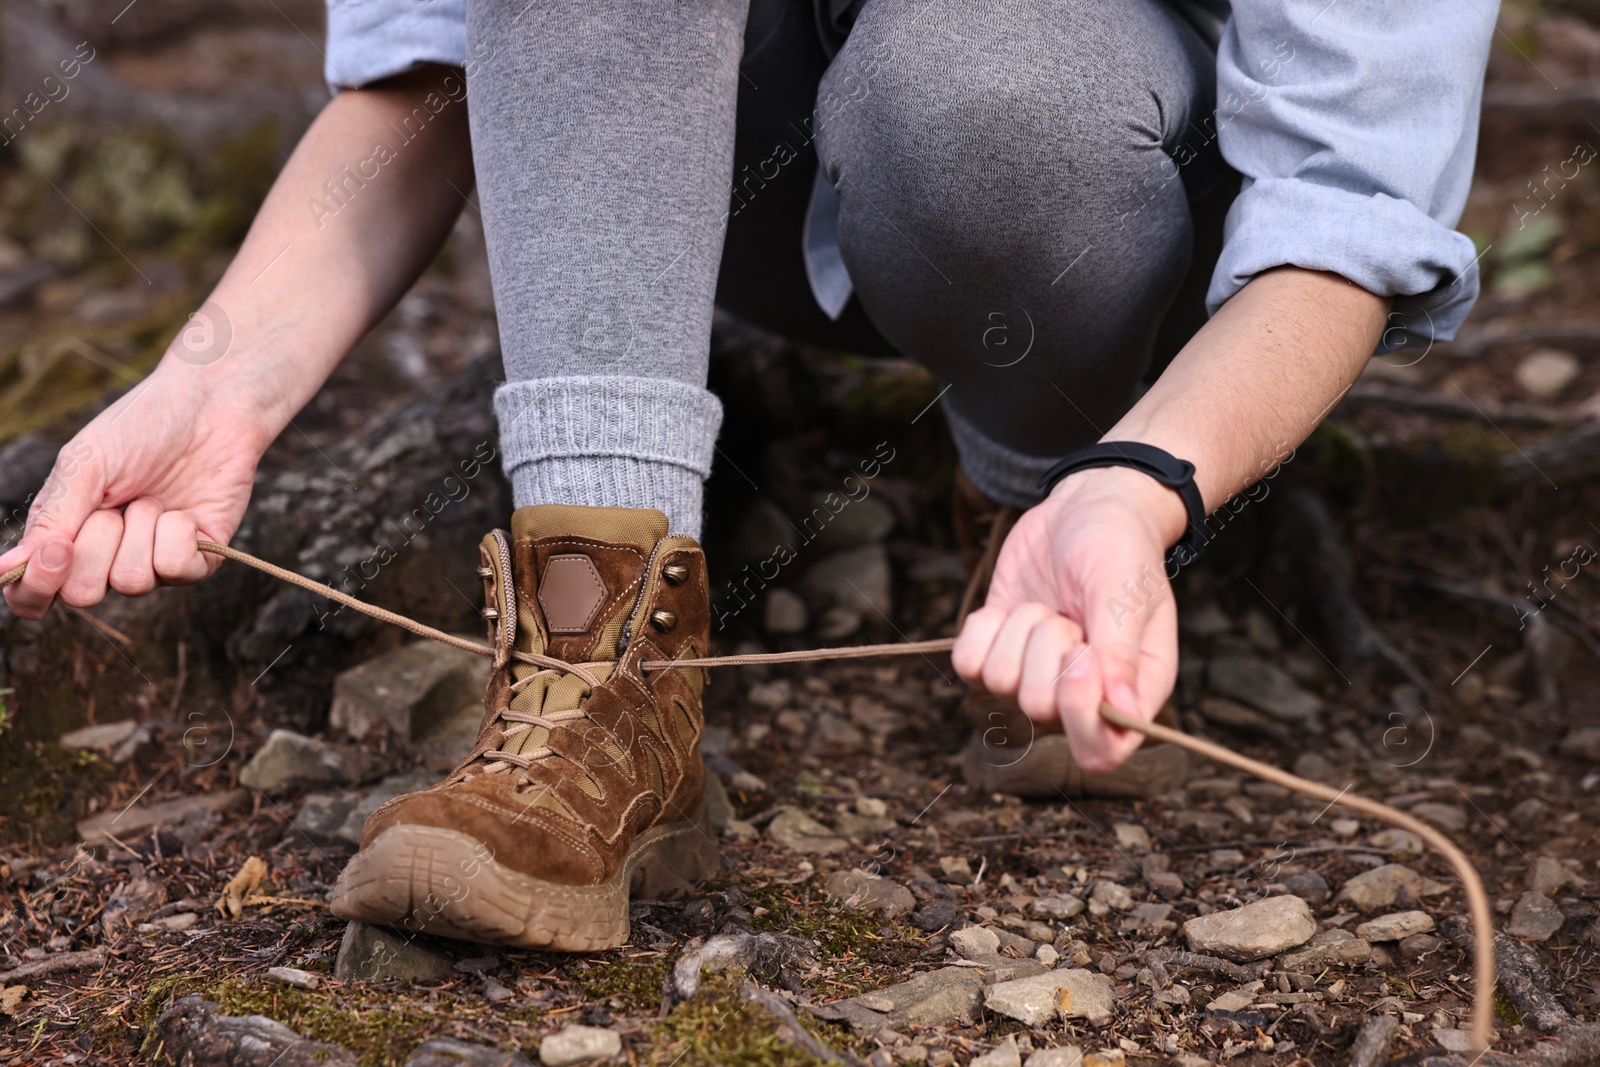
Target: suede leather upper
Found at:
632, 761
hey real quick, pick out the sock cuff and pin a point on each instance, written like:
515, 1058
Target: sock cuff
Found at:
653, 420
1001, 473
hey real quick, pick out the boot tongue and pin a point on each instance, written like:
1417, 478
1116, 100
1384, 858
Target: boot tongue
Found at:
578, 573
580, 569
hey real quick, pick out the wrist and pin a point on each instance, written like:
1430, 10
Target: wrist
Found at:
1161, 508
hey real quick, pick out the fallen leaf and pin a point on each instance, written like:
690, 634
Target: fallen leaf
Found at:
11, 998
231, 903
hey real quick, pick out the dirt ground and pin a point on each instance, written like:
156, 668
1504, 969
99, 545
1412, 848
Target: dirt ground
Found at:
1410, 613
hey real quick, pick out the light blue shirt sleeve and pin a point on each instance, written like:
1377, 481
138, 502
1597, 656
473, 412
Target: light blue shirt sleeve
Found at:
373, 39
1355, 124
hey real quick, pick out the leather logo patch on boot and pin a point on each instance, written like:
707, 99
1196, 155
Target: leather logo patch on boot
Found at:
570, 592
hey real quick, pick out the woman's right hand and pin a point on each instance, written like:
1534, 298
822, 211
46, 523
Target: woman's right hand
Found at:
131, 493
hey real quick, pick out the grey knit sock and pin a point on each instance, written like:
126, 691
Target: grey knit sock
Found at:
1001, 473
609, 442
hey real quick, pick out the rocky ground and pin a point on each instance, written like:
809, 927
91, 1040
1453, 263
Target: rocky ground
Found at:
1408, 612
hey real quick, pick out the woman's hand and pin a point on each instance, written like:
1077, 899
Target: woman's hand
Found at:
131, 493
1080, 611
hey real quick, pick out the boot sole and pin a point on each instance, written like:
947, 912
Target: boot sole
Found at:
426, 879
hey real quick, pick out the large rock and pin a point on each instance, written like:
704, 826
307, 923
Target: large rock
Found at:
1071, 994
1253, 932
407, 692
1265, 687
289, 759
579, 1044
193, 1032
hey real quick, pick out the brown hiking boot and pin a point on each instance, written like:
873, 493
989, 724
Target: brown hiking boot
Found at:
1009, 752
586, 785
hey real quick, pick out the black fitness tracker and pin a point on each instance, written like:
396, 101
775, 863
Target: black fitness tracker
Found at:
1164, 467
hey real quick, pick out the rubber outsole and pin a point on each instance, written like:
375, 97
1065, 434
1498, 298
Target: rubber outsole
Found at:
427, 879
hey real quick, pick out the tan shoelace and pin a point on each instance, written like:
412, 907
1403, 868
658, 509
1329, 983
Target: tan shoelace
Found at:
1477, 899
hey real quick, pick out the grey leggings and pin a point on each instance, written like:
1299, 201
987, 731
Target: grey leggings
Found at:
1010, 214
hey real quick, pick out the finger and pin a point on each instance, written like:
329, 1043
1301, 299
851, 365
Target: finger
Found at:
1002, 670
973, 643
1097, 746
1051, 642
177, 560
71, 493
48, 567
92, 553
1115, 627
133, 572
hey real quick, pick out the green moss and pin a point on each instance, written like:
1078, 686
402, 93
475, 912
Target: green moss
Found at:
1506, 1011
839, 930
382, 1030
718, 1028
632, 986
47, 790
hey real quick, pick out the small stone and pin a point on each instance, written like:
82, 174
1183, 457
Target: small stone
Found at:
177, 922
876, 1002
837, 623
1396, 840
864, 891
194, 1031
936, 915
785, 613
945, 997
1549, 876
1003, 1055
1529, 813
407, 692
1108, 1057
288, 760
1175, 997
1073, 993
1453, 1040
1308, 886
1263, 686
1167, 884
321, 816
1146, 918
393, 786
294, 976
1112, 895
1047, 955
771, 695
1535, 918
956, 869
130, 823
1340, 949
1061, 1056
836, 731
1345, 827
579, 1044
871, 807
974, 941
1131, 836
1418, 945
453, 1052
857, 579
1446, 817
1379, 887
132, 902
1582, 743
795, 830
104, 738
375, 953
1236, 999
1255, 931
997, 968
1395, 926
1062, 906
1545, 372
